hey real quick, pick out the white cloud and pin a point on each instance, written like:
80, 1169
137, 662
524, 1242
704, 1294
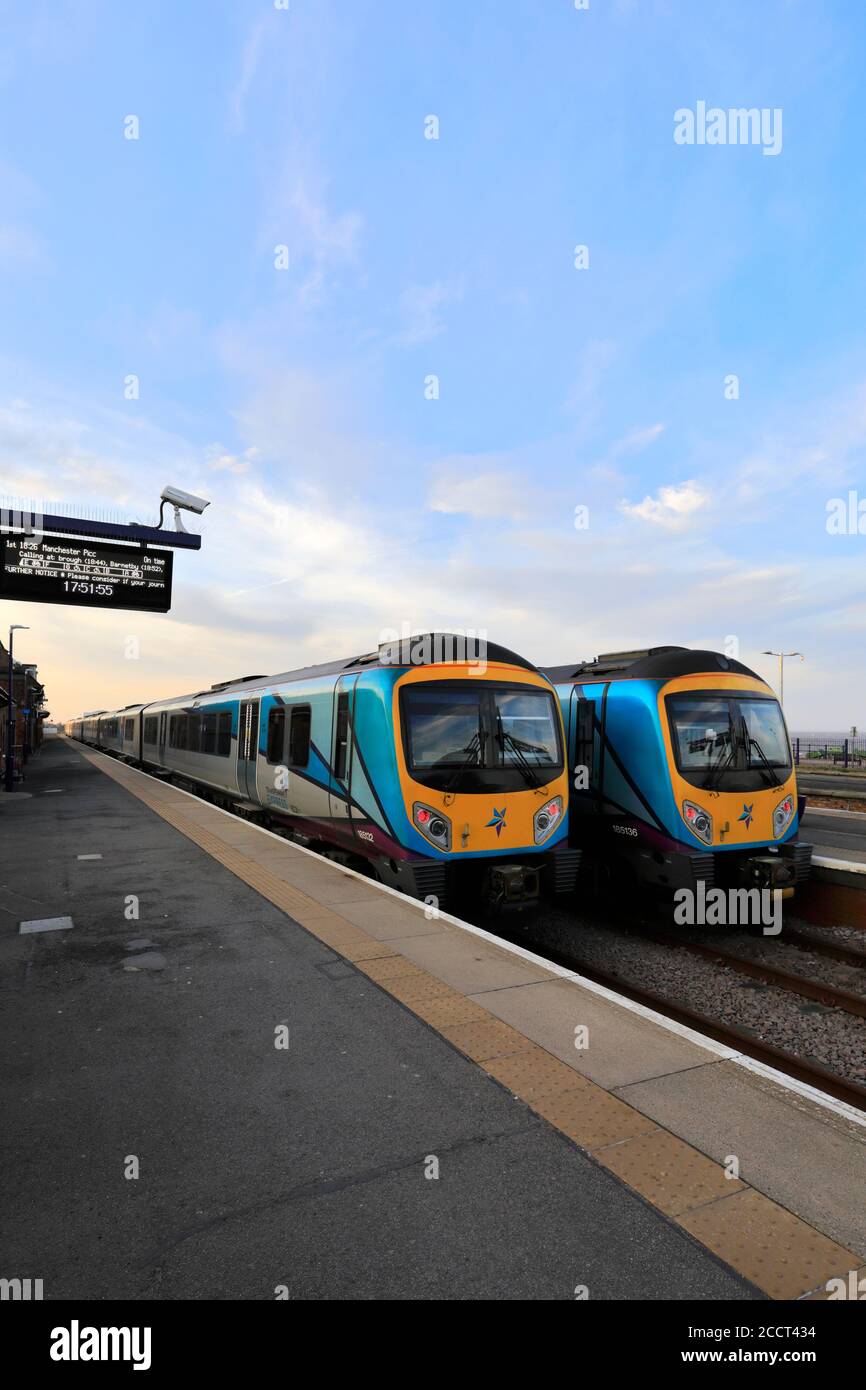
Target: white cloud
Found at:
321, 241
302, 562
250, 58
421, 306
672, 507
636, 441
488, 494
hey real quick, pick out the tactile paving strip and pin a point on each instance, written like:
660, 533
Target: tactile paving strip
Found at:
668, 1172
770, 1246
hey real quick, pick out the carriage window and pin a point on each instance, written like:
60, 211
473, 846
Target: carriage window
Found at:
177, 731
299, 736
341, 747
224, 734
276, 733
128, 728
150, 729
208, 733
193, 732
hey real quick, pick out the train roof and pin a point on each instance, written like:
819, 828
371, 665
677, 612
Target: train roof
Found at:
425, 649
651, 663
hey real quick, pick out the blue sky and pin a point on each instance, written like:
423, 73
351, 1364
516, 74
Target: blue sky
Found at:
344, 500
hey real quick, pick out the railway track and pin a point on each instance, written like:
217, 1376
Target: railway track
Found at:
741, 1039
833, 950
820, 991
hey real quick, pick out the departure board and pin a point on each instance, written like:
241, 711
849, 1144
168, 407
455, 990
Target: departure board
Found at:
85, 573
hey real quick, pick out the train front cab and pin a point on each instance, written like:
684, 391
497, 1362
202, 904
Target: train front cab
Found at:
483, 779
728, 756
685, 779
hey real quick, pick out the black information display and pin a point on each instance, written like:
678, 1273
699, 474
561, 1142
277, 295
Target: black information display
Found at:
83, 572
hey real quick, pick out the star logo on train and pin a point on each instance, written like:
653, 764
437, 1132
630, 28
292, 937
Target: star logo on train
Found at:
497, 819
747, 814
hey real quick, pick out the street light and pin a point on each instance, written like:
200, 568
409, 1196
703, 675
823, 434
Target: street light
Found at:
782, 656
10, 721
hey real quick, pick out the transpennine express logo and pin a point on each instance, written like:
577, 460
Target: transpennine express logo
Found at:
747, 814
498, 820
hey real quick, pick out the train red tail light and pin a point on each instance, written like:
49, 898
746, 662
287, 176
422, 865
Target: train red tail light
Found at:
699, 821
432, 824
546, 820
782, 816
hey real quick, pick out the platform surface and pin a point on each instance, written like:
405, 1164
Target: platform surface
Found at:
414, 1046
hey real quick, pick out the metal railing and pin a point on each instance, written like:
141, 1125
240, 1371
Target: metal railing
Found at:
844, 752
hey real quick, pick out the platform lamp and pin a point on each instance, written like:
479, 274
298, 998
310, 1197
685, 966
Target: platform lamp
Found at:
782, 656
10, 718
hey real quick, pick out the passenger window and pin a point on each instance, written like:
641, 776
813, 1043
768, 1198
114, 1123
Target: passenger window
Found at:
299, 736
224, 736
208, 733
342, 738
193, 741
276, 733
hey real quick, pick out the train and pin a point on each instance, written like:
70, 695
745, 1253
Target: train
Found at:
432, 763
681, 771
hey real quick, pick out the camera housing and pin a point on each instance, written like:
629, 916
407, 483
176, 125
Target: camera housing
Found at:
187, 500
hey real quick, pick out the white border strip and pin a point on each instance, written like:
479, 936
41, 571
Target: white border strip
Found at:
847, 866
788, 1083
834, 811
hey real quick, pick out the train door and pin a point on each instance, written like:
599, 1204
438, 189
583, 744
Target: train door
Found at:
248, 748
342, 751
161, 747
580, 736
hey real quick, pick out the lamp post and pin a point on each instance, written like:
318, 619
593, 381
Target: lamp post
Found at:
10, 718
782, 656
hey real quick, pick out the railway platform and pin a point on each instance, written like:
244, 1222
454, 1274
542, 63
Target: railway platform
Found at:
241, 1072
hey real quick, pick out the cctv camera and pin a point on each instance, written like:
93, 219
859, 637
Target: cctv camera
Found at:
187, 500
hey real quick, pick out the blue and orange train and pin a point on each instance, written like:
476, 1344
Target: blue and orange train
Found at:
438, 768
681, 771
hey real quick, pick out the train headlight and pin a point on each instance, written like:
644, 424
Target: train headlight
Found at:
782, 816
432, 824
545, 821
699, 821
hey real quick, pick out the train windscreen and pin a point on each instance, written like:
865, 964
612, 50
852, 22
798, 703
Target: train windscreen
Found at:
480, 736
729, 742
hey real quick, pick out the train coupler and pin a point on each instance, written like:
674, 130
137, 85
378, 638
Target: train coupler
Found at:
510, 886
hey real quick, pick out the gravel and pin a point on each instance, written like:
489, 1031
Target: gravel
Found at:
807, 1029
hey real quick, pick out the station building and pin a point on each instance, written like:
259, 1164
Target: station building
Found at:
28, 712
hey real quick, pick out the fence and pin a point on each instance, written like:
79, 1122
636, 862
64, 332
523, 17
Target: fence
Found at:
848, 752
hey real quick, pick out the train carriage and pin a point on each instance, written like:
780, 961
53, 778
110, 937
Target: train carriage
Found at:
681, 771
440, 770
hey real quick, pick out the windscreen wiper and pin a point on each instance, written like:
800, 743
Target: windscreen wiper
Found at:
475, 745
522, 761
721, 764
752, 742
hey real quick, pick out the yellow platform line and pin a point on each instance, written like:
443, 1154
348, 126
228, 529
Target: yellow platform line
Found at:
774, 1249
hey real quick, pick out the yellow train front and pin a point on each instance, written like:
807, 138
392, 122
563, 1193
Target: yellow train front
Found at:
683, 770
480, 753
